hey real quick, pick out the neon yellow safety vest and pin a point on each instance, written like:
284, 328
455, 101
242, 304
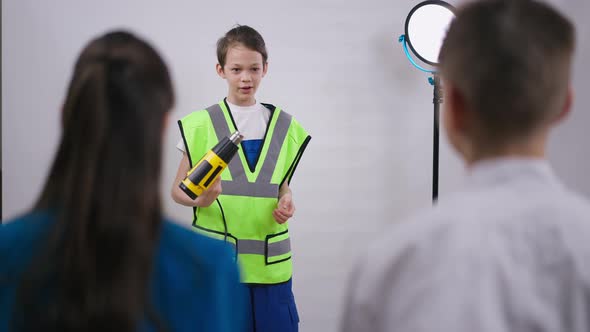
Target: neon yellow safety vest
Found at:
249, 196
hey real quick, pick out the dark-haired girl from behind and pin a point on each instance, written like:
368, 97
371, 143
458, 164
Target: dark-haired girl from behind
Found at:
95, 253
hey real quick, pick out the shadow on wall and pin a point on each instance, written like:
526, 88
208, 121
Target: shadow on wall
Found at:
398, 73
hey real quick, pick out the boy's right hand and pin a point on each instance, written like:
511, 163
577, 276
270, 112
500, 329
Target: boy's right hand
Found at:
209, 196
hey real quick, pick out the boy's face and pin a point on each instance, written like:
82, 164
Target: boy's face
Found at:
244, 69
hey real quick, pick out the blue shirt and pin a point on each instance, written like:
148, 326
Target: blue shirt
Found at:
252, 151
195, 286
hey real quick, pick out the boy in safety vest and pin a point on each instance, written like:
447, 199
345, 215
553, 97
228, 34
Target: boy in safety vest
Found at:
251, 203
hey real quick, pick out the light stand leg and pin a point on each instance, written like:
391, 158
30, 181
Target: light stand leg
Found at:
437, 100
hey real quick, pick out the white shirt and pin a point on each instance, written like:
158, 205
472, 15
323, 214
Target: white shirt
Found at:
509, 253
250, 120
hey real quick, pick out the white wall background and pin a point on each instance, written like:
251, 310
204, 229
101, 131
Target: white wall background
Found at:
335, 65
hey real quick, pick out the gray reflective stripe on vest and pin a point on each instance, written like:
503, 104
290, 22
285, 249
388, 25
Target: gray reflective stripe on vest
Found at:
240, 186
276, 143
258, 247
246, 188
221, 130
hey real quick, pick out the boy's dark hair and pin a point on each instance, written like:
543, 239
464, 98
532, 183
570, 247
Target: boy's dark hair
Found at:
510, 59
241, 34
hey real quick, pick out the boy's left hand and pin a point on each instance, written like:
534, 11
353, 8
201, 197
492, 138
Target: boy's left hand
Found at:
285, 209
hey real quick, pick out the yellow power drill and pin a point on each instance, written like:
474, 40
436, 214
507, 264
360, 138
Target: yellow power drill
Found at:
200, 177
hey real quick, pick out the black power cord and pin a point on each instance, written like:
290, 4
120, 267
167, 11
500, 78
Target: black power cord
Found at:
224, 222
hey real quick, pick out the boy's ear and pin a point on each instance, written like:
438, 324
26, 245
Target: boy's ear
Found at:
264, 69
567, 106
220, 71
457, 119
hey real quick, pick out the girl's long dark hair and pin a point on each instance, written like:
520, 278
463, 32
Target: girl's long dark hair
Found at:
94, 269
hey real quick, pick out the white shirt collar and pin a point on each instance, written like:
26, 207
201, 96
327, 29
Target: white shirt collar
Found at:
511, 169
251, 108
